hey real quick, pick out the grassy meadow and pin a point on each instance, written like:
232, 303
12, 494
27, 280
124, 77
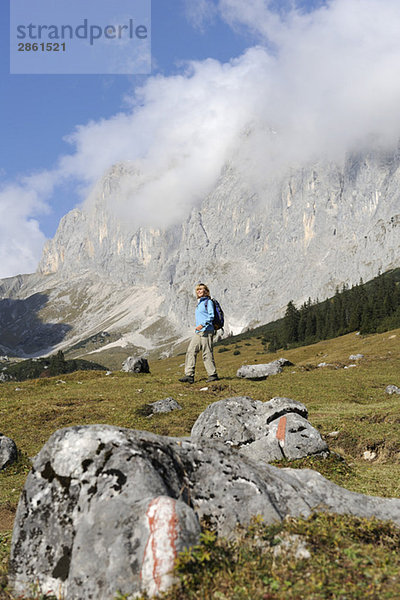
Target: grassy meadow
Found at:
348, 403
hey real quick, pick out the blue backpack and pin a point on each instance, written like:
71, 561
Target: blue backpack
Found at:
219, 318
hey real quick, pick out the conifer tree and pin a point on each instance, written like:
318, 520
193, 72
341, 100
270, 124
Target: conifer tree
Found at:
57, 363
311, 325
291, 323
273, 346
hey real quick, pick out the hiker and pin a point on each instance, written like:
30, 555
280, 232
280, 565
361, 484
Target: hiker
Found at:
202, 338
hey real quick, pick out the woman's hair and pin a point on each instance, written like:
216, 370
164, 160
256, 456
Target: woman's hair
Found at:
203, 285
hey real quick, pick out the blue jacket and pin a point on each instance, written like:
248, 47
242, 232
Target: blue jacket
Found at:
205, 314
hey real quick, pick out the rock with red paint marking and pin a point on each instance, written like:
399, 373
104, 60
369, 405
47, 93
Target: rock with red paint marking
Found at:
106, 509
241, 420
299, 438
263, 431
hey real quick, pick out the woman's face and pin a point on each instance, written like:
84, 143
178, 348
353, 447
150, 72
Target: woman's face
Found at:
201, 292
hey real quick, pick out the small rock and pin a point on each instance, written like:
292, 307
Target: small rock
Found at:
165, 405
259, 372
356, 356
391, 337
8, 451
204, 389
61, 381
333, 434
349, 366
135, 365
392, 389
369, 455
108, 373
18, 389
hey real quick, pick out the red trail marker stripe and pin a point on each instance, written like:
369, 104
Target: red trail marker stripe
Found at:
281, 431
160, 552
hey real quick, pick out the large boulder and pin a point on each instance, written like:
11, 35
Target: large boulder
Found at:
8, 451
262, 371
104, 496
263, 431
106, 509
135, 365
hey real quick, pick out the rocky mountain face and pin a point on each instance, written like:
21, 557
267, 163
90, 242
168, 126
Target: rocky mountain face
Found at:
316, 228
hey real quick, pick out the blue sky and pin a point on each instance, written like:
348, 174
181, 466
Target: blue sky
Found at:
38, 111
322, 74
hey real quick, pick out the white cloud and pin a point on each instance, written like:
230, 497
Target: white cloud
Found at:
180, 137
318, 83
327, 86
21, 240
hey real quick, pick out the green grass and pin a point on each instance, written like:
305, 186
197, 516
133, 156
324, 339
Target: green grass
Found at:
348, 558
351, 401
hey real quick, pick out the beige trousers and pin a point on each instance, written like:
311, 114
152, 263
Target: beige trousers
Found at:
203, 342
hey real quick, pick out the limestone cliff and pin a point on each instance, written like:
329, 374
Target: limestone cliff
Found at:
311, 230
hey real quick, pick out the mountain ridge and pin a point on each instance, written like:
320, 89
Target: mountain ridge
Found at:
303, 235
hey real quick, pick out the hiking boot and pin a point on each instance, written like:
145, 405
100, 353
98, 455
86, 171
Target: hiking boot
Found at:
213, 378
187, 379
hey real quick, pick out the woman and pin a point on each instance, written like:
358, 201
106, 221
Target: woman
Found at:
202, 338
